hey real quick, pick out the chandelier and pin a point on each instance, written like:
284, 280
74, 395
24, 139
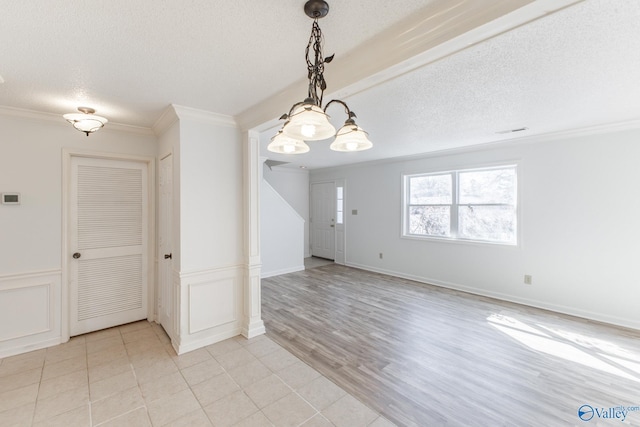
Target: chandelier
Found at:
308, 120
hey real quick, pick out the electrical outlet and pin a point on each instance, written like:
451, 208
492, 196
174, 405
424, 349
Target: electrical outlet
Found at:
527, 279
380, 255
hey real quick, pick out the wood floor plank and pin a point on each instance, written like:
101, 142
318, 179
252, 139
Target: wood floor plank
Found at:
423, 355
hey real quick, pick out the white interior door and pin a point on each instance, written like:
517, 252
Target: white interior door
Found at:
323, 221
108, 241
165, 229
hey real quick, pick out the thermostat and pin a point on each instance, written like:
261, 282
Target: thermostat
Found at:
10, 198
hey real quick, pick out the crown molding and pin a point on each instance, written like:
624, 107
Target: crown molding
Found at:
57, 119
633, 124
183, 112
165, 121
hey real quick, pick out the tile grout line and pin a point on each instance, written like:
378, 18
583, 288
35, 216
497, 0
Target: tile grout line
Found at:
86, 353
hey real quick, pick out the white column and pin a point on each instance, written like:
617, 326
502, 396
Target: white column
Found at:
252, 321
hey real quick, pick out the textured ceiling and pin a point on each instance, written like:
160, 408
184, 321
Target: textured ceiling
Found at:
130, 59
576, 67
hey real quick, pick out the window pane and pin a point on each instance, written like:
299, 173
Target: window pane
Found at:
488, 186
494, 223
339, 193
430, 190
429, 220
339, 218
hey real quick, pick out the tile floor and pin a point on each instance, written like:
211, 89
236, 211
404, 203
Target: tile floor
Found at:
130, 376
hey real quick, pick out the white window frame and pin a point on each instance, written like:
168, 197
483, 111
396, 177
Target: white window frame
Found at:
454, 217
339, 204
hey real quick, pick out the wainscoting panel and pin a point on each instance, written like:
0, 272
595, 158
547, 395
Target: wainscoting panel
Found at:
210, 307
212, 304
29, 311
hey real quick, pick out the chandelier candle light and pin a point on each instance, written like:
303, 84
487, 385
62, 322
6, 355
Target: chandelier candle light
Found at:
86, 122
307, 120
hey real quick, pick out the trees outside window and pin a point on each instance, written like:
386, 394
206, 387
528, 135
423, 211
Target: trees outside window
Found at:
471, 204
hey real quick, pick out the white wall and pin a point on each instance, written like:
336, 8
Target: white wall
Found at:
210, 195
579, 227
293, 186
31, 233
281, 234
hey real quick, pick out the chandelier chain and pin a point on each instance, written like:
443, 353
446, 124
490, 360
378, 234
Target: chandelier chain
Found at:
315, 65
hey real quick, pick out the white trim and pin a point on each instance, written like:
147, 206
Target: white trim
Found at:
454, 220
212, 339
282, 271
41, 335
165, 121
192, 336
203, 116
252, 324
57, 118
585, 314
30, 274
13, 351
491, 145
199, 273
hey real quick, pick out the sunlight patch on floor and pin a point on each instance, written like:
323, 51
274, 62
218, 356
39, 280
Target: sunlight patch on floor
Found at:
571, 349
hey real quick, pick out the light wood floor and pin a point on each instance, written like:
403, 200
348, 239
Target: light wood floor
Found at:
426, 356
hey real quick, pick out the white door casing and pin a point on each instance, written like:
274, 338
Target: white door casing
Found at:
108, 242
323, 208
165, 256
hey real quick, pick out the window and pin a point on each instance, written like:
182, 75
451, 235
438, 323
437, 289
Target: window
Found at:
472, 204
339, 205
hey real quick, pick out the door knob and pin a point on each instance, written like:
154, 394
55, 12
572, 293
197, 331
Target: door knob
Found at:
168, 256
76, 255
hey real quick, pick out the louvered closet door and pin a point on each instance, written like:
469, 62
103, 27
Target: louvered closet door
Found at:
108, 242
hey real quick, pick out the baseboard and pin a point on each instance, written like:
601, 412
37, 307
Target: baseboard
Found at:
182, 348
253, 330
558, 308
282, 271
21, 349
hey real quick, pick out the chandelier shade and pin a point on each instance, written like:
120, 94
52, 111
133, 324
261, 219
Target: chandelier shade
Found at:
308, 120
284, 144
86, 121
351, 137
310, 123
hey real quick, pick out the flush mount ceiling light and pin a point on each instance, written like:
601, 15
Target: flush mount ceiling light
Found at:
86, 122
308, 120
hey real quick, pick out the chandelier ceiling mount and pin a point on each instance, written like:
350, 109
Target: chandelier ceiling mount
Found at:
86, 121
